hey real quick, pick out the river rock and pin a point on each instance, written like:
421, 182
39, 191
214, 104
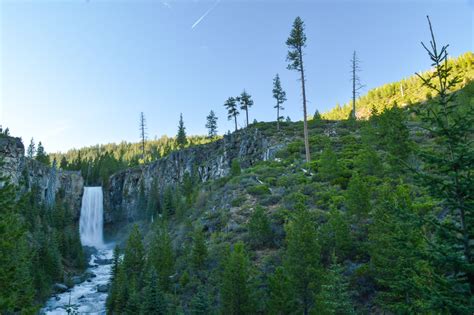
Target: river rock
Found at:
100, 261
76, 280
104, 288
60, 287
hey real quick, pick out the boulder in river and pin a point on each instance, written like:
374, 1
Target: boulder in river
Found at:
104, 288
60, 287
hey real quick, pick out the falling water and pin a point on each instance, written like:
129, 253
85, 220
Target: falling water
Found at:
89, 294
91, 222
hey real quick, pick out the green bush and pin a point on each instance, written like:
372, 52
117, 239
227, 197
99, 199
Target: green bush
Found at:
259, 190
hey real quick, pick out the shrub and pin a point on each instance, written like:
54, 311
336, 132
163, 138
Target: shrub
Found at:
258, 190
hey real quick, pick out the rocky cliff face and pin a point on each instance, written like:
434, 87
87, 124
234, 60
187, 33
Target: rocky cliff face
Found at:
27, 173
206, 162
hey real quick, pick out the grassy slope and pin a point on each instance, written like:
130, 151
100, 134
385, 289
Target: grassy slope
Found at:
387, 95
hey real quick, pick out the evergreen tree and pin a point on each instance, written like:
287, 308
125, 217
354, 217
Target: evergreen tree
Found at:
181, 139
302, 258
232, 111
200, 304
161, 255
134, 255
246, 102
329, 167
447, 173
397, 246
30, 152
280, 96
199, 250
154, 301
235, 289
260, 232
282, 297
41, 155
334, 298
235, 169
211, 124
358, 198
296, 42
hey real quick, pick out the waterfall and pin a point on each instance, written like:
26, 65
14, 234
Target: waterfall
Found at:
92, 217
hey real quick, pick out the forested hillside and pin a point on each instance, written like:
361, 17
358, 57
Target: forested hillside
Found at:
39, 246
380, 221
405, 92
98, 162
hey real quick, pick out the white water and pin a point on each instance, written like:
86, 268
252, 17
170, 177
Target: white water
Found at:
84, 298
92, 217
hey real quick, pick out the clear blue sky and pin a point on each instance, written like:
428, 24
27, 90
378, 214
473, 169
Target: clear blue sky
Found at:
78, 72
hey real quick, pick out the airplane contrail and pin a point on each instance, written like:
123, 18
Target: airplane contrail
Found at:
205, 14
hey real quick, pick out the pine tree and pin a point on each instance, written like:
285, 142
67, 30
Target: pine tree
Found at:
232, 111
211, 124
134, 255
302, 258
447, 173
246, 102
154, 301
358, 198
397, 248
282, 299
30, 152
161, 255
334, 298
41, 155
235, 289
296, 42
200, 304
260, 232
280, 96
329, 167
181, 139
199, 250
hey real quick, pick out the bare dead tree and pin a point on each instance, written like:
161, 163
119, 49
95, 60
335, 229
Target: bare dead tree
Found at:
143, 133
356, 85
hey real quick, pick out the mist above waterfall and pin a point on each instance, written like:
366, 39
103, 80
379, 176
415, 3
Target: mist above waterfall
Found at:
92, 219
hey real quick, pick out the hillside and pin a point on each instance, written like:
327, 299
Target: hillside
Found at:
350, 232
403, 93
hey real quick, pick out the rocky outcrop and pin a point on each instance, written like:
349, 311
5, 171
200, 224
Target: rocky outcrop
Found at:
205, 162
26, 173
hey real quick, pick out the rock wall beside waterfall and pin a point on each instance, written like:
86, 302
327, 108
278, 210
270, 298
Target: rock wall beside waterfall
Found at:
26, 173
206, 162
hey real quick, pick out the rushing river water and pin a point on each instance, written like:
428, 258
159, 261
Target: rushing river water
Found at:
88, 296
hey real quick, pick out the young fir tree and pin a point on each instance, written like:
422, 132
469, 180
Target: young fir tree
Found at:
282, 299
161, 255
200, 304
181, 139
211, 124
296, 42
235, 287
302, 258
260, 232
30, 152
16, 280
398, 251
280, 96
134, 255
246, 102
199, 250
232, 111
154, 301
334, 297
447, 173
358, 198
329, 167
41, 155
